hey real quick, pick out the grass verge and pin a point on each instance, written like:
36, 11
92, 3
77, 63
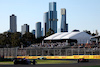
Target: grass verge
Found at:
5, 62
44, 62
55, 61
92, 66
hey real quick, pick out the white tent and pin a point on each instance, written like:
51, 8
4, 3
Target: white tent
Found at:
81, 37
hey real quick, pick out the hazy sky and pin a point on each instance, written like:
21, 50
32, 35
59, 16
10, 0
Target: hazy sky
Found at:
81, 14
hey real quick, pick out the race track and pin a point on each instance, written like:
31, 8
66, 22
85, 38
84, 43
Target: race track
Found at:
90, 63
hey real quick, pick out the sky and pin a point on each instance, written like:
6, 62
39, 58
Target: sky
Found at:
81, 14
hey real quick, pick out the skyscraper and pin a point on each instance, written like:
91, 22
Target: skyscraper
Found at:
25, 28
50, 19
38, 30
64, 26
46, 23
33, 32
42, 32
52, 16
13, 24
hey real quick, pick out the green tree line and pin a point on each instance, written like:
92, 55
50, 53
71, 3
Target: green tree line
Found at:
8, 39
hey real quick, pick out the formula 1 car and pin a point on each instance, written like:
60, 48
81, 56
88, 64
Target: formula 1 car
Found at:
83, 60
41, 58
22, 61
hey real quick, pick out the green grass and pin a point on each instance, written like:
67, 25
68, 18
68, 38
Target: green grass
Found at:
55, 62
44, 62
6, 62
92, 66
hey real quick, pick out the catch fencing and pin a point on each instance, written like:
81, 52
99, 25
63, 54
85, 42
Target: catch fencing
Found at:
14, 52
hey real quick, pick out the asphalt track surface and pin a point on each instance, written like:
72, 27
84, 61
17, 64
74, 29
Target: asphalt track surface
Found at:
90, 63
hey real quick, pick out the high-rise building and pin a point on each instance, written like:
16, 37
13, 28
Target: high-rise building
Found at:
46, 23
33, 32
52, 16
50, 19
38, 30
25, 28
42, 32
13, 24
64, 26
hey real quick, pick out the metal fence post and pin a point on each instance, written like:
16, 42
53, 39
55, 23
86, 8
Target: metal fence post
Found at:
99, 51
16, 49
48, 52
36, 52
54, 52
84, 51
60, 52
42, 52
92, 51
66, 52
78, 50
3, 51
8, 51
72, 51
30, 53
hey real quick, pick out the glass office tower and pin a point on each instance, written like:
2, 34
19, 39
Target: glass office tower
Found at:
46, 24
13, 24
64, 26
52, 15
33, 32
38, 30
25, 28
52, 6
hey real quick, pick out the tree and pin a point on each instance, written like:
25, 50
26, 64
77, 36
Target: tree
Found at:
50, 32
39, 40
15, 39
5, 39
28, 38
8, 37
93, 34
2, 40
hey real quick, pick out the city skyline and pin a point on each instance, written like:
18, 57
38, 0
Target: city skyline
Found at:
82, 15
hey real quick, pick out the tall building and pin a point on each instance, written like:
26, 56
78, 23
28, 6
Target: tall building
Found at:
38, 30
42, 32
33, 32
46, 23
13, 23
50, 19
64, 26
52, 16
25, 28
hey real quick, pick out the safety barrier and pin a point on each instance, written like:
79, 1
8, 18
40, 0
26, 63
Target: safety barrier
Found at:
63, 57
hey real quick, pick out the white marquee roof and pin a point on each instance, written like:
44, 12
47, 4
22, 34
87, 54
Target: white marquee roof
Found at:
52, 36
60, 36
79, 36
